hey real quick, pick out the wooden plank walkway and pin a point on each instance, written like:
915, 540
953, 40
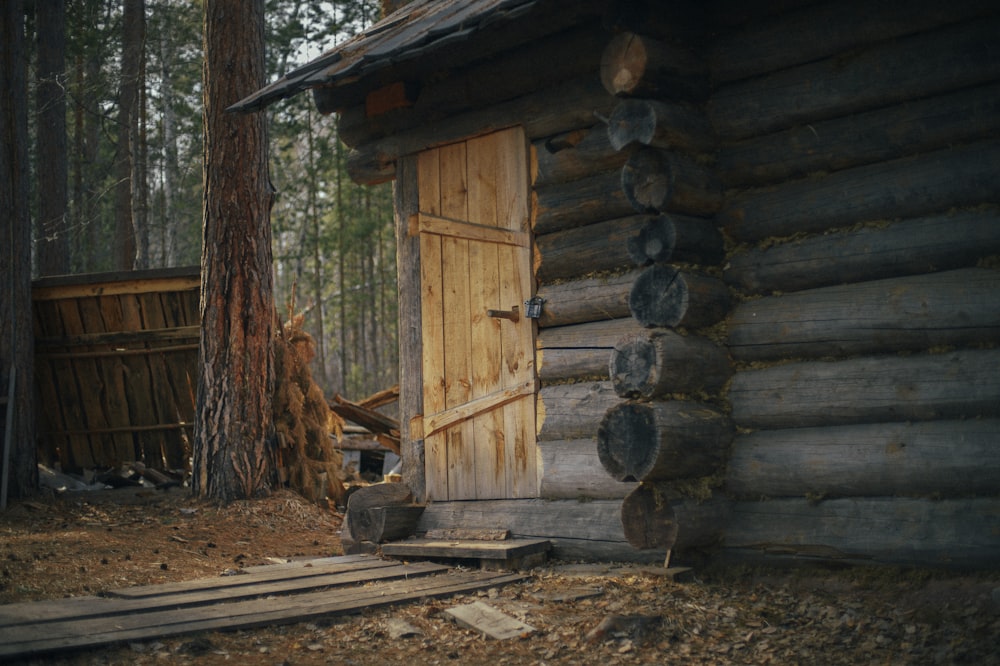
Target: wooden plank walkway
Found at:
266, 596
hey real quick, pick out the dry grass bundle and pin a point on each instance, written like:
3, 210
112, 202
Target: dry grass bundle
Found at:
303, 420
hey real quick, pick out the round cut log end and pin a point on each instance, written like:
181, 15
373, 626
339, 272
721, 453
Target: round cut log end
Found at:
632, 366
659, 297
624, 441
648, 519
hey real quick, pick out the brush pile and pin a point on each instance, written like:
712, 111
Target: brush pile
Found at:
304, 423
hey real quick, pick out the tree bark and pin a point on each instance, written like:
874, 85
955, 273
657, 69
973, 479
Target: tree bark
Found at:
662, 441
932, 458
636, 66
906, 247
20, 471
234, 448
664, 125
924, 387
953, 308
53, 197
662, 296
907, 187
653, 363
133, 21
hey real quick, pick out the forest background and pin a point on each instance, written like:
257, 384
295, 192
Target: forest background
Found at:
115, 95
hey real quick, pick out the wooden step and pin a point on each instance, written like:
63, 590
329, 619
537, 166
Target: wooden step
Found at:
510, 554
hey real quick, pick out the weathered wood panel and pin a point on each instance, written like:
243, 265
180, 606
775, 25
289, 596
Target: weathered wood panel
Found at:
571, 469
589, 299
955, 308
878, 76
573, 253
905, 247
954, 533
542, 114
925, 387
863, 138
907, 187
827, 29
940, 458
573, 411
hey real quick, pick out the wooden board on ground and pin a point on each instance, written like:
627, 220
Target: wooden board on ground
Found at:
484, 618
45, 627
509, 554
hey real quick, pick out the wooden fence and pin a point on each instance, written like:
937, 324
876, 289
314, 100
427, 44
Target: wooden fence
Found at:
116, 358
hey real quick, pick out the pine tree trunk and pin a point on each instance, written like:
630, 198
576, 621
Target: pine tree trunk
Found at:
133, 20
234, 454
16, 340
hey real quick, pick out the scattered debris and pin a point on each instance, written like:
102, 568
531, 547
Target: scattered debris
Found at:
482, 617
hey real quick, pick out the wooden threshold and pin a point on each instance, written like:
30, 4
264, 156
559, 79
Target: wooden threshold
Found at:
266, 597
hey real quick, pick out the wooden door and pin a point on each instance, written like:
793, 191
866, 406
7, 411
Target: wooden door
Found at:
478, 352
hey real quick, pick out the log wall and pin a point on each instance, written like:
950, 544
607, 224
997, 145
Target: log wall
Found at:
861, 175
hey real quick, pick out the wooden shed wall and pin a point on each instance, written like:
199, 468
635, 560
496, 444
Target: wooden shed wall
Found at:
862, 177
116, 363
845, 154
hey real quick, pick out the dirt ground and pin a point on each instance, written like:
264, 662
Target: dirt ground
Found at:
83, 543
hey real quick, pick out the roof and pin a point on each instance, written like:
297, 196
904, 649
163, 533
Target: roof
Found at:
418, 28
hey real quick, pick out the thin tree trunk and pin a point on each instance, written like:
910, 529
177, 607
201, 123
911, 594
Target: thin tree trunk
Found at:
125, 241
20, 472
170, 157
51, 237
234, 449
140, 166
318, 273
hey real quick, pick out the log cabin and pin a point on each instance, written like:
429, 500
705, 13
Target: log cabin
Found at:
717, 277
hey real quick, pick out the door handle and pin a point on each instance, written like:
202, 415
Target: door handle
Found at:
514, 314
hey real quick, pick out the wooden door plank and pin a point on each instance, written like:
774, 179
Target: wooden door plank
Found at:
446, 418
431, 312
484, 271
457, 317
94, 632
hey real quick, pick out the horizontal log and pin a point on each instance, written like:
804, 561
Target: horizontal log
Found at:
826, 29
589, 299
662, 296
673, 22
952, 308
656, 180
556, 366
940, 458
676, 238
542, 113
633, 65
592, 248
906, 247
662, 441
571, 470
578, 530
574, 155
729, 13
580, 202
890, 72
955, 533
483, 83
591, 335
573, 411
908, 187
665, 125
863, 138
927, 387
654, 363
